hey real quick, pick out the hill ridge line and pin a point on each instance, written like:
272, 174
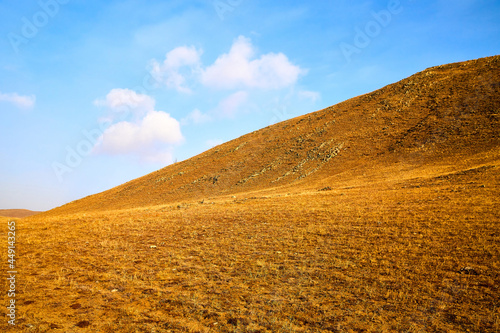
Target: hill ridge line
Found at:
441, 113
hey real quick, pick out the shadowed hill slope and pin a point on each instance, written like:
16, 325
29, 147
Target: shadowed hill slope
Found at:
445, 113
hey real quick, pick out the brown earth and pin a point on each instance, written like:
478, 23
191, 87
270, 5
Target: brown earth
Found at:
378, 214
441, 113
17, 213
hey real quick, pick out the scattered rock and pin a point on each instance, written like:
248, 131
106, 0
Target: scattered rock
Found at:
328, 188
468, 270
210, 315
148, 291
235, 321
83, 323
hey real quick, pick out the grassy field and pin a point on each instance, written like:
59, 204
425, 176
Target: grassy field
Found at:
372, 256
16, 213
378, 214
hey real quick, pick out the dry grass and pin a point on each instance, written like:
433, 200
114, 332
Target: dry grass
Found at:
367, 257
379, 214
16, 213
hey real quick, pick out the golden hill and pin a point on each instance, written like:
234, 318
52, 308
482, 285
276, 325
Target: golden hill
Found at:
378, 214
18, 213
445, 112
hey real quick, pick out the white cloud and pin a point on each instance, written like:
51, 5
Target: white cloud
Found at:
236, 69
150, 136
22, 102
124, 100
182, 56
169, 71
231, 104
155, 130
312, 95
195, 117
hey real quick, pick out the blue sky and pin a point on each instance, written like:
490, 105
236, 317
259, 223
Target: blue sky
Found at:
96, 93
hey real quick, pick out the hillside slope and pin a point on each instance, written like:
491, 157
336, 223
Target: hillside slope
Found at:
440, 115
17, 213
379, 214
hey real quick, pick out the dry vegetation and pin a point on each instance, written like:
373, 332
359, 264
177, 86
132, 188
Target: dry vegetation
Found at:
397, 234
17, 213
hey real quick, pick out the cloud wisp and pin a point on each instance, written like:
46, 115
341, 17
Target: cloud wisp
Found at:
179, 63
196, 117
126, 100
19, 101
230, 105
